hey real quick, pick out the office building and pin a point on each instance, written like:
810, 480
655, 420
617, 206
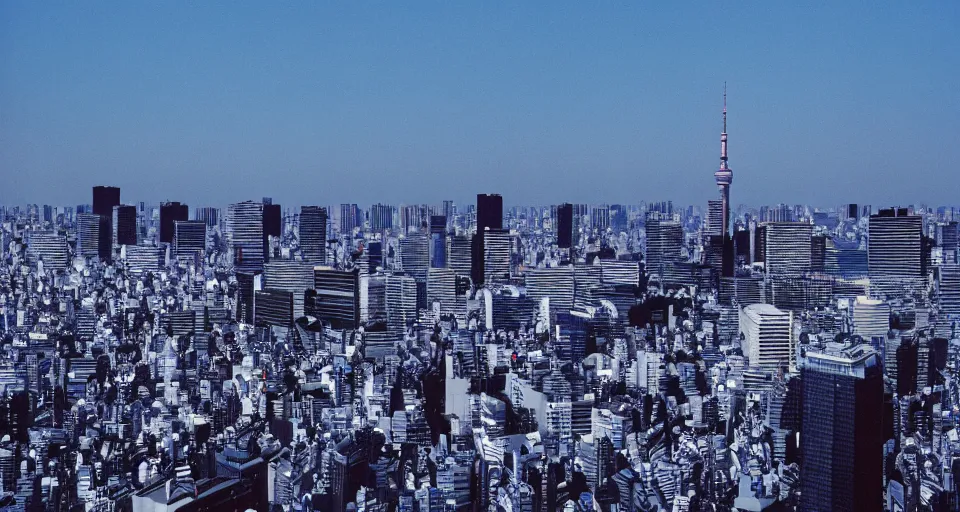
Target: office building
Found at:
787, 248
381, 217
842, 431
337, 297
489, 217
438, 241
189, 237
497, 245
767, 334
313, 234
170, 213
88, 235
208, 215
871, 318
664, 241
50, 248
350, 218
415, 255
124, 225
895, 244
291, 276
566, 229
273, 308
245, 235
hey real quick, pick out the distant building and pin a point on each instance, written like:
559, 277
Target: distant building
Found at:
313, 234
245, 234
170, 213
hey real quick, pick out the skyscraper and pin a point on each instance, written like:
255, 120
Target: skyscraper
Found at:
714, 224
438, 241
245, 230
842, 431
313, 234
489, 216
349, 219
88, 235
565, 229
337, 298
381, 217
207, 214
170, 213
894, 248
124, 225
788, 248
189, 237
104, 199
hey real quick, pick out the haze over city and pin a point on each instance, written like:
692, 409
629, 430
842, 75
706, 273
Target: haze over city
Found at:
829, 103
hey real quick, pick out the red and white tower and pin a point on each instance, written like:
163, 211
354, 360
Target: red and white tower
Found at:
724, 175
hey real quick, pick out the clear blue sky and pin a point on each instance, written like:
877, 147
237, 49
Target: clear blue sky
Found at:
316, 102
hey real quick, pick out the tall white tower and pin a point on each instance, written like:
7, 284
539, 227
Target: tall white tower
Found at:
724, 175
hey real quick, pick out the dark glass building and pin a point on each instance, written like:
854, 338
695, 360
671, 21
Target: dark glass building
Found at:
169, 214
842, 431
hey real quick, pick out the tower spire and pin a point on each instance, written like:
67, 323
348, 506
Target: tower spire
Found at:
724, 175
724, 107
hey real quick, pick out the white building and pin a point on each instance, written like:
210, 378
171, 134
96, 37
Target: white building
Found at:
767, 333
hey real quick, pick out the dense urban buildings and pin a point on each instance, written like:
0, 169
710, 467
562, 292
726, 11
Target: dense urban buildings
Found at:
446, 357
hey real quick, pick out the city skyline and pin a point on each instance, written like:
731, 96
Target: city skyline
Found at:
841, 104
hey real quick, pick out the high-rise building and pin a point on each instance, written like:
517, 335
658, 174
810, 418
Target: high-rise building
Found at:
51, 248
894, 246
565, 227
600, 218
208, 215
555, 283
274, 308
415, 255
842, 431
714, 224
272, 220
438, 241
449, 210
246, 285
788, 248
401, 295
442, 288
768, 340
313, 234
88, 235
381, 217
104, 199
189, 237
497, 254
170, 213
124, 225
459, 255
292, 276
349, 218
144, 258
871, 318
664, 241
245, 232
489, 216
337, 298
818, 253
